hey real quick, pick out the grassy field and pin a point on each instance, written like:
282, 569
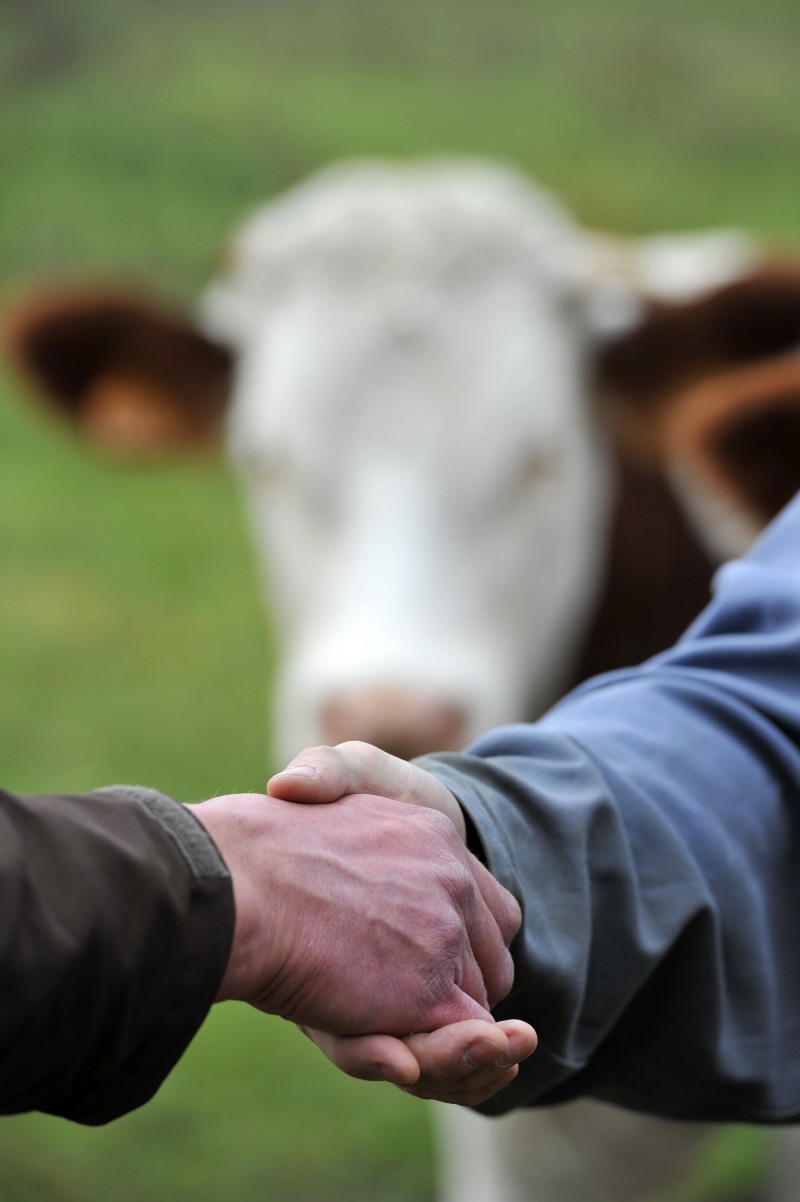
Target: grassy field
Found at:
132, 640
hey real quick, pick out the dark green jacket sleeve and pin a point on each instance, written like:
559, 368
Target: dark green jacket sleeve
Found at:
117, 921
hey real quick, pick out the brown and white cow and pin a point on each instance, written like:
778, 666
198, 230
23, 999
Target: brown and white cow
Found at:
485, 454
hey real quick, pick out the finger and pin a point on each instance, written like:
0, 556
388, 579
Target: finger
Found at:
464, 1064
459, 1056
488, 951
469, 1095
328, 773
491, 958
522, 1038
471, 983
368, 1057
322, 774
459, 1065
470, 1055
315, 775
503, 905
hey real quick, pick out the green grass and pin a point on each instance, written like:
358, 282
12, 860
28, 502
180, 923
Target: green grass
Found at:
132, 640
251, 1114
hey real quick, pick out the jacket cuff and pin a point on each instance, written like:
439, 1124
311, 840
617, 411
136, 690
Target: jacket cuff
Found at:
198, 964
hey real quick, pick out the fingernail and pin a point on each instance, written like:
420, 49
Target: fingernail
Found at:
480, 1053
519, 1048
303, 770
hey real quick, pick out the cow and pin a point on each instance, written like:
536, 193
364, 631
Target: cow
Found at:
485, 453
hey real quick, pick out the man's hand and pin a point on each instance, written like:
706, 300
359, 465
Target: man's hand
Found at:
466, 1062
360, 917
463, 1064
328, 773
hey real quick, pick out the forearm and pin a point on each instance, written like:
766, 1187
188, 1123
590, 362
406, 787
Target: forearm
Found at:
118, 924
648, 827
655, 961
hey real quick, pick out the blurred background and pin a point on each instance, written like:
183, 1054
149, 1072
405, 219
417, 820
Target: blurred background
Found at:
133, 136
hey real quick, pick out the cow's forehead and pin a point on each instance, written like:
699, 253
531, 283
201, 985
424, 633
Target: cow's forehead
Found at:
492, 368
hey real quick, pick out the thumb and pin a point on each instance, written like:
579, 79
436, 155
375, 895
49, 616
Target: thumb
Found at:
328, 773
322, 774
318, 774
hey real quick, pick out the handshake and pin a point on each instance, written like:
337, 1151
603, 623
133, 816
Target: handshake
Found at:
361, 916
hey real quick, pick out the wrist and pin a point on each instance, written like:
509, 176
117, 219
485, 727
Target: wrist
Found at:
227, 828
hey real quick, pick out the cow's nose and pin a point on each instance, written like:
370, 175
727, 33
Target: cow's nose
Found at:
399, 721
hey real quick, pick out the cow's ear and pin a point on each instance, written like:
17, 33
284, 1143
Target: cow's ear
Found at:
131, 377
672, 346
738, 434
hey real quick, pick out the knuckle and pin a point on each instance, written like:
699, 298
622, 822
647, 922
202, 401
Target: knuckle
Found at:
451, 930
311, 757
354, 747
512, 918
444, 957
503, 978
460, 885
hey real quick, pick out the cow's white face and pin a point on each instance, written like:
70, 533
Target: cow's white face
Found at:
428, 497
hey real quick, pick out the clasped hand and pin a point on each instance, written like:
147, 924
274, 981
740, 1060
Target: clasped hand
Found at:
362, 917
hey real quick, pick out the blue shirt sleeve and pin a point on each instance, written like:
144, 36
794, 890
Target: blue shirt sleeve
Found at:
650, 827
